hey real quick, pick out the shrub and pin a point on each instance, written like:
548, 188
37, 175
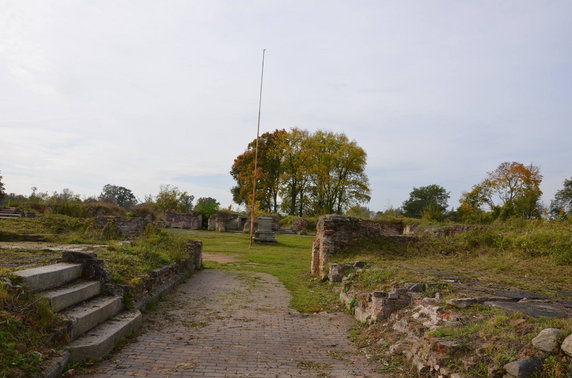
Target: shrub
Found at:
94, 209
146, 209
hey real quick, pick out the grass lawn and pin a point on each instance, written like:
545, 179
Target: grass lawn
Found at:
538, 274
289, 260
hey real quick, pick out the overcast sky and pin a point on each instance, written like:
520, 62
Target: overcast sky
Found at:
142, 93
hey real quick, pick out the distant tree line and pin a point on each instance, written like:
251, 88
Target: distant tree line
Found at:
113, 200
302, 173
2, 190
511, 190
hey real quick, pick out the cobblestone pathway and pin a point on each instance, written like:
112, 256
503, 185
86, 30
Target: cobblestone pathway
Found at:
221, 324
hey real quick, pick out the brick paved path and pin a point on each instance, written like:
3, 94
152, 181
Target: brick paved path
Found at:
222, 324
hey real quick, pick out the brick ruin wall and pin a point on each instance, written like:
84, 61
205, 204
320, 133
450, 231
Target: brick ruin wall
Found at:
190, 221
336, 232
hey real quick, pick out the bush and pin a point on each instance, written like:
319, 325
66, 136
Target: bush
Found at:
146, 209
94, 209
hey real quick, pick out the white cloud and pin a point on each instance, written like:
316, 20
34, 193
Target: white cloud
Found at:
143, 93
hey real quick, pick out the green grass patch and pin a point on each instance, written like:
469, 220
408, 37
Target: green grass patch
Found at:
531, 254
53, 227
289, 260
130, 262
526, 254
499, 337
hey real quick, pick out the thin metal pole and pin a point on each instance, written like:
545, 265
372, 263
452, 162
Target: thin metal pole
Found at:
253, 202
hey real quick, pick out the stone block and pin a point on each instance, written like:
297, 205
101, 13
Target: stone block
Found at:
547, 340
567, 345
523, 368
264, 234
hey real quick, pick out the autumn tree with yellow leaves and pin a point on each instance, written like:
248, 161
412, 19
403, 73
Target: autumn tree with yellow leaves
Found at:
512, 189
301, 173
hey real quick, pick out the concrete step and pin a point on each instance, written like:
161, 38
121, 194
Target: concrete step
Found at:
102, 339
88, 315
71, 294
8, 210
49, 276
9, 216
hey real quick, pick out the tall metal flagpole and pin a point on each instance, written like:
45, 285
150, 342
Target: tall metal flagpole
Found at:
253, 201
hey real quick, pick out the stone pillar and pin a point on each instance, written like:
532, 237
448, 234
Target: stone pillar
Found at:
264, 234
195, 250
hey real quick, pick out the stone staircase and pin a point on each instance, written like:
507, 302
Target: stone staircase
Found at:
9, 213
96, 321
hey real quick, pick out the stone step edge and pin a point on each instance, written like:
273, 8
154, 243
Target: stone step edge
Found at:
101, 340
91, 313
54, 368
71, 294
49, 276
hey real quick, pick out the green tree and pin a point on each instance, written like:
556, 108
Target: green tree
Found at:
66, 203
561, 206
118, 195
337, 170
207, 206
430, 199
296, 172
511, 189
171, 198
313, 174
2, 190
268, 172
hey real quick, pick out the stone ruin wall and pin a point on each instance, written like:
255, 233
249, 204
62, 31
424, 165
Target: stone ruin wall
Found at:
299, 224
336, 232
190, 221
223, 221
122, 226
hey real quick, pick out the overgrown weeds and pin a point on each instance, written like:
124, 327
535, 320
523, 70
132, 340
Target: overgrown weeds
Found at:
28, 331
129, 262
527, 238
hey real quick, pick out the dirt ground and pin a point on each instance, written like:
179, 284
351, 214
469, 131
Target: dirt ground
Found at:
220, 258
